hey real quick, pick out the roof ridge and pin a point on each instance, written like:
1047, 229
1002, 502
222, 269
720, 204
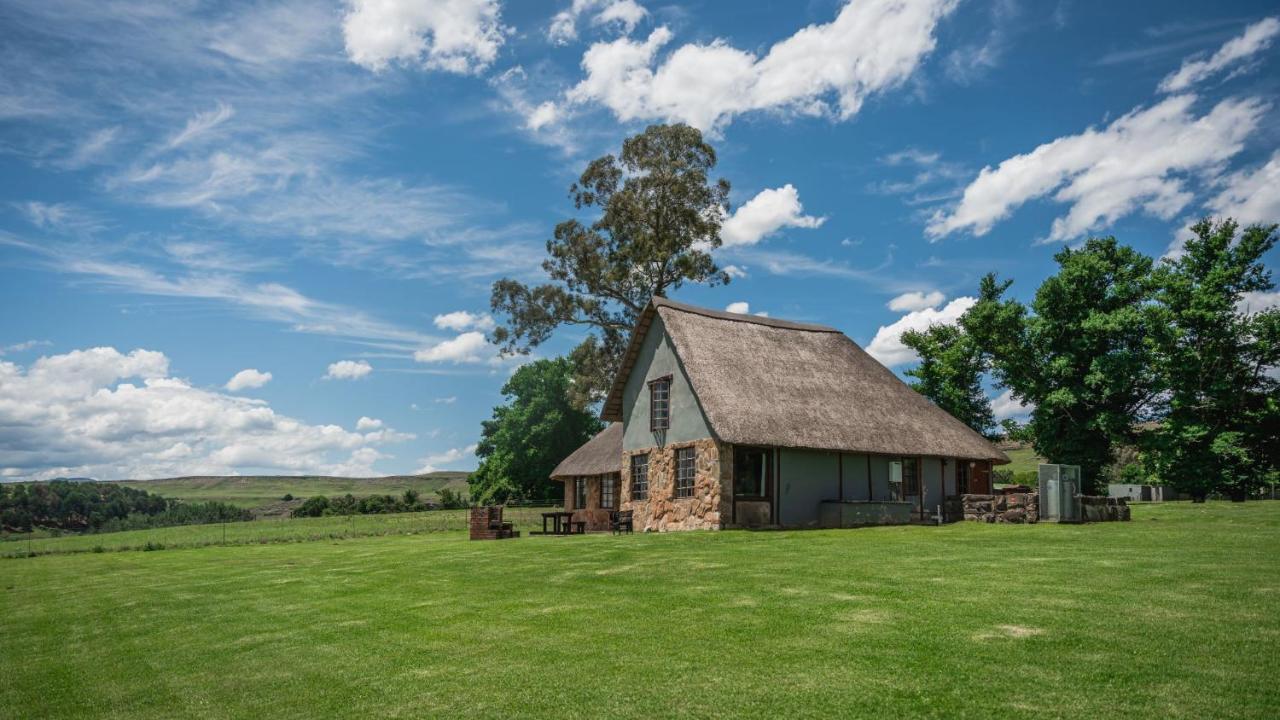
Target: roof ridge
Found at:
739, 317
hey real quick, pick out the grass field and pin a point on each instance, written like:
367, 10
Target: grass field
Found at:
1174, 615
1022, 460
286, 530
251, 492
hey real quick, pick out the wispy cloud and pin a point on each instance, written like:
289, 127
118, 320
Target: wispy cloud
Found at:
201, 124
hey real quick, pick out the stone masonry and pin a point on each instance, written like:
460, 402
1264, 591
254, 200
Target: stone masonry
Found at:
709, 506
1025, 508
1012, 508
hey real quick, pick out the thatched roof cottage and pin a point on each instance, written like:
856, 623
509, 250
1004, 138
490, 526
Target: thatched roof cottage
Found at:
727, 420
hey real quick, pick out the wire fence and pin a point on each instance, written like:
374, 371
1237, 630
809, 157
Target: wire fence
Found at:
255, 532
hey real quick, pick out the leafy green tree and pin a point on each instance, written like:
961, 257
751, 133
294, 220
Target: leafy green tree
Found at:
1223, 412
1082, 353
950, 374
658, 217
451, 499
1015, 431
530, 435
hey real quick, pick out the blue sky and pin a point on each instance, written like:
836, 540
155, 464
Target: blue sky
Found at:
259, 237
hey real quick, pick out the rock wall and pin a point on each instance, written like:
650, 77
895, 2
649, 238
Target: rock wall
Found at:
596, 517
1104, 509
1025, 508
1013, 508
709, 506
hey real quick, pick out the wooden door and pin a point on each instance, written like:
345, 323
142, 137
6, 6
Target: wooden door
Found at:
980, 478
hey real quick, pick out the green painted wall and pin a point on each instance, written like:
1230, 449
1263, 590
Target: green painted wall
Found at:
931, 476
808, 477
880, 477
657, 358
855, 477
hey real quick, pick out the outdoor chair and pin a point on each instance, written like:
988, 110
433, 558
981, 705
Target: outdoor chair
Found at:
620, 521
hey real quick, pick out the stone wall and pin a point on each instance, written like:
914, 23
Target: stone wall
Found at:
595, 517
1104, 509
1025, 508
1012, 508
709, 506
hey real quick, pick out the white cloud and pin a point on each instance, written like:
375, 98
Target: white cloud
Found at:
348, 370
452, 456
829, 69
367, 423
765, 214
60, 217
742, 308
469, 347
623, 15
92, 148
102, 413
271, 301
447, 400
459, 36
1250, 196
917, 300
1003, 406
248, 378
273, 34
734, 271
887, 345
462, 320
1141, 161
1255, 302
23, 346
1256, 38
200, 124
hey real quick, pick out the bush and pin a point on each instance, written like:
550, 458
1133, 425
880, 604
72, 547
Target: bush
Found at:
312, 507
287, 497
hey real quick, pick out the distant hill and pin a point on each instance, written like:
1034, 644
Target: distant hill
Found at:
253, 491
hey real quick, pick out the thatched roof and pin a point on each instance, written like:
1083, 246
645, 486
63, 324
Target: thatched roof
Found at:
762, 381
599, 455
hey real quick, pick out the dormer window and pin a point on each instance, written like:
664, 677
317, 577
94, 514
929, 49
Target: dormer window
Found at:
660, 403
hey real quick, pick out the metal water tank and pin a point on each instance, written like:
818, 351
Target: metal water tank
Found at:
1060, 494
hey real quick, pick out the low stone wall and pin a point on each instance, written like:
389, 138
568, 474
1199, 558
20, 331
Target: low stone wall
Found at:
1025, 508
1011, 508
1104, 509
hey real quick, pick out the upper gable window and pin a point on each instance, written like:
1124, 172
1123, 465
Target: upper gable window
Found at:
660, 403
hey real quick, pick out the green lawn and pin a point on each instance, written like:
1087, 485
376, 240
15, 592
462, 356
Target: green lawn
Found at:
1174, 615
256, 491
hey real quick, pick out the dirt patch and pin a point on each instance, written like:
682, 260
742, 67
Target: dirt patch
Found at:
1016, 632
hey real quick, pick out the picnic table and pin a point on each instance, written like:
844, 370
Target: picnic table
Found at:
561, 522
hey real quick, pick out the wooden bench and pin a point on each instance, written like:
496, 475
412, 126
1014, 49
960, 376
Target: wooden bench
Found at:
579, 526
